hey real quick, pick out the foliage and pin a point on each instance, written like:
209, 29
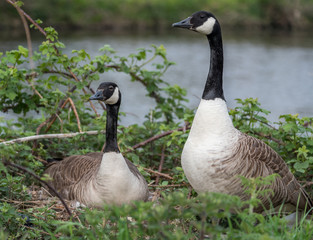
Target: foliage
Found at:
46, 88
291, 137
99, 14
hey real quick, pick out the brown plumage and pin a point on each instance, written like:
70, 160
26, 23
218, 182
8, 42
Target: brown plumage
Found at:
253, 158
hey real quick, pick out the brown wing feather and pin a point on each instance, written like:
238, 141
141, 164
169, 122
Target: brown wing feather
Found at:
261, 160
74, 169
71, 170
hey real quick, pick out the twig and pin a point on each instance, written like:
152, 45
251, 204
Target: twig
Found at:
306, 183
77, 80
76, 114
47, 136
30, 50
160, 166
170, 186
156, 137
55, 115
7, 163
28, 37
28, 17
158, 173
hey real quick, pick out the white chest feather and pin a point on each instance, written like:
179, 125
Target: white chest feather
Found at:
211, 140
115, 183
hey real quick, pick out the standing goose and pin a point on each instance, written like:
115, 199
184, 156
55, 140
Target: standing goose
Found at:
215, 152
101, 177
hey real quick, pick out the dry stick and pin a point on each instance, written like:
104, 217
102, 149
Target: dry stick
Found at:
158, 173
76, 114
160, 166
42, 181
169, 186
48, 136
61, 121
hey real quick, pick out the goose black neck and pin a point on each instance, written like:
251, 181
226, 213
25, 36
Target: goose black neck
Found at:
111, 129
214, 84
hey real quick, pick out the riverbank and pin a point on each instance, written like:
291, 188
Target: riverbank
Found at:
154, 15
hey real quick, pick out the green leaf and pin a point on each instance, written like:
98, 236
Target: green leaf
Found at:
11, 95
23, 51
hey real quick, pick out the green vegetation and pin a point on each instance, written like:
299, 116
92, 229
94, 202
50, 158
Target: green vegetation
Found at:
130, 15
58, 87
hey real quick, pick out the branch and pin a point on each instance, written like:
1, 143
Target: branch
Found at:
42, 181
170, 186
76, 114
156, 137
28, 17
48, 136
158, 173
53, 116
161, 165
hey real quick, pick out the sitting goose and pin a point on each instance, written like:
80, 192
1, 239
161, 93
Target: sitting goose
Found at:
215, 152
101, 177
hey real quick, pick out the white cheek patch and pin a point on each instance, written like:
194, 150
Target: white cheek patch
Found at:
114, 98
207, 27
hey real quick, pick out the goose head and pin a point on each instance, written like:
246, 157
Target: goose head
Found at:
202, 22
107, 92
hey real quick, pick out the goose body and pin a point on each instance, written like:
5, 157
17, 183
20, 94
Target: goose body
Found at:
101, 177
216, 153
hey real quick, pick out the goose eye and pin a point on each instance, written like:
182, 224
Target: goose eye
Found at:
111, 88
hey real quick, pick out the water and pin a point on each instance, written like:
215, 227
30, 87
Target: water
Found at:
276, 69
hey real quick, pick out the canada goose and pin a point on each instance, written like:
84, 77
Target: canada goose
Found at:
215, 152
100, 177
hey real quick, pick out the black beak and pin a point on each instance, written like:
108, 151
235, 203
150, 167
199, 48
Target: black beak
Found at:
183, 24
97, 96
